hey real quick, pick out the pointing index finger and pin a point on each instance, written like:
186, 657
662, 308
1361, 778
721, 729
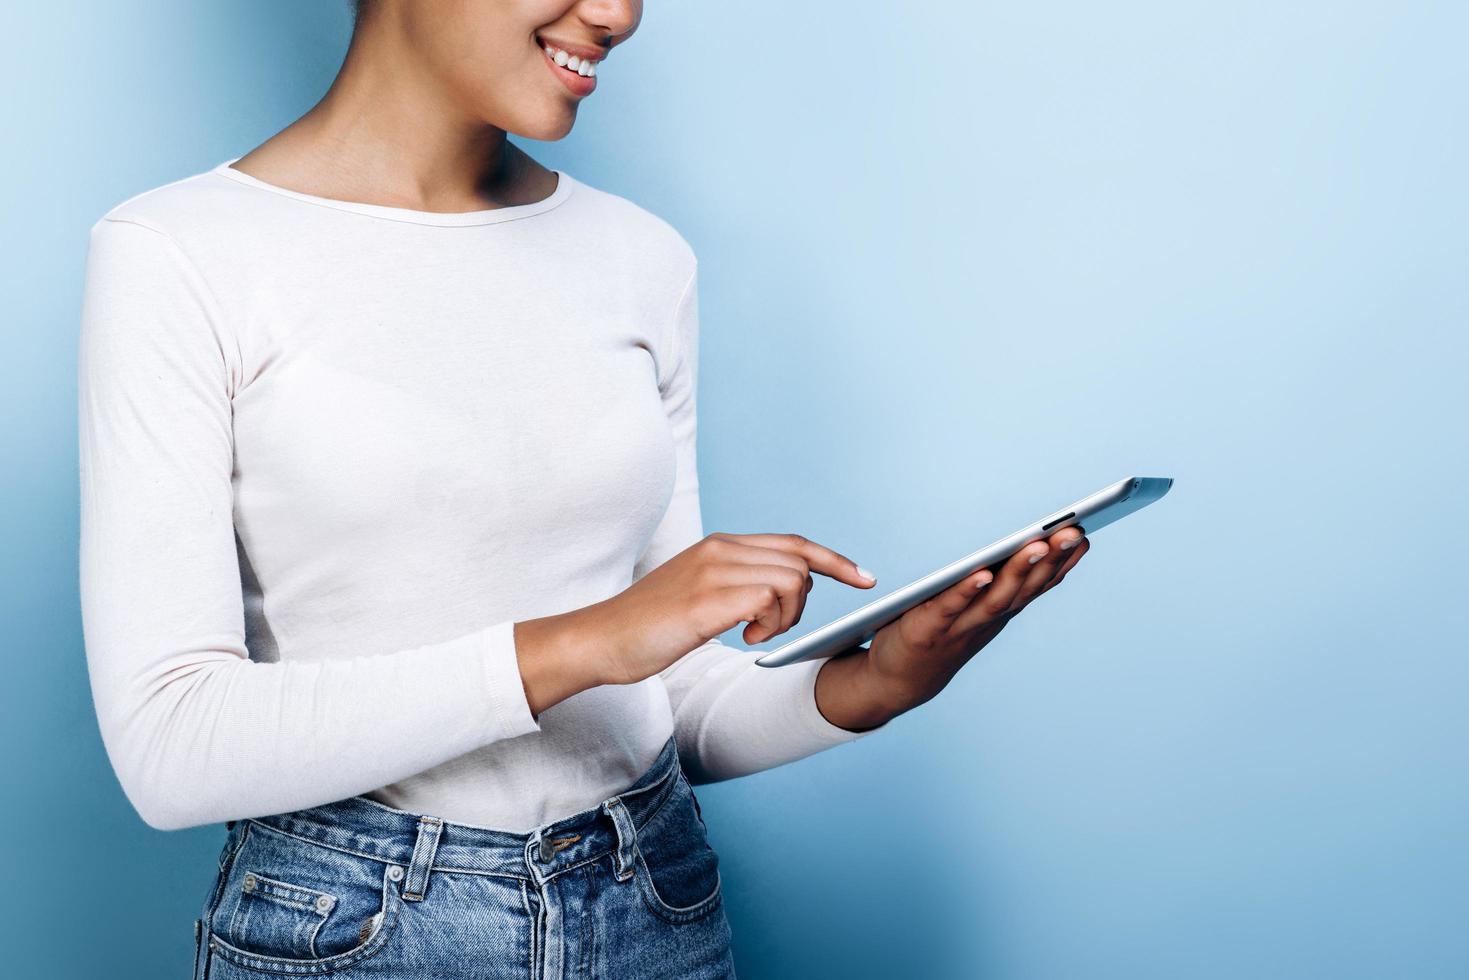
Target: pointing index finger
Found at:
819, 557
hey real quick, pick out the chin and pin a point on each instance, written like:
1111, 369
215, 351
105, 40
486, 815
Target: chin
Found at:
547, 127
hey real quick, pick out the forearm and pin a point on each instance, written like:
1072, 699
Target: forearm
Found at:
733, 717
204, 734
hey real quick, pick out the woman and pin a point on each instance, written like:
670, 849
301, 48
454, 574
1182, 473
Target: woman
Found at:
392, 555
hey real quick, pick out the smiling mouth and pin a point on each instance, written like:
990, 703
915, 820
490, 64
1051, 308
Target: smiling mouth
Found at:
566, 61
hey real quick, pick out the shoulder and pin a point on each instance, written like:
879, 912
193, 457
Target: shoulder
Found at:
207, 202
631, 225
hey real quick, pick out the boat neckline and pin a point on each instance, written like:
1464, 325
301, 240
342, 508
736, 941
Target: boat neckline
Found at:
564, 186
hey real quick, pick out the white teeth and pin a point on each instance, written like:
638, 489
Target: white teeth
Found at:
582, 66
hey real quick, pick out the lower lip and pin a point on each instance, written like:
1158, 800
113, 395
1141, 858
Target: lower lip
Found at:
578, 84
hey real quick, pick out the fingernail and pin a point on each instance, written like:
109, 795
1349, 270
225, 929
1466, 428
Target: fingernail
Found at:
1037, 557
866, 574
983, 579
1068, 544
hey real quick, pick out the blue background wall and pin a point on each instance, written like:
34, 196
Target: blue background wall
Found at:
960, 263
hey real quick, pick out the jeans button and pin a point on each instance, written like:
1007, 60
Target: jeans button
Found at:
323, 903
546, 851
395, 872
249, 884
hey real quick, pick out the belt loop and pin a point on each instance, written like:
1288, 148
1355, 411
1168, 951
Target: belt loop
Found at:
416, 883
627, 838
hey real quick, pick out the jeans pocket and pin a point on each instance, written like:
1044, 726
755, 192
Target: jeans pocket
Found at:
278, 917
678, 871
290, 905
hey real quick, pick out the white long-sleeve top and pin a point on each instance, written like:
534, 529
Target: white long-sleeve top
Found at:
331, 452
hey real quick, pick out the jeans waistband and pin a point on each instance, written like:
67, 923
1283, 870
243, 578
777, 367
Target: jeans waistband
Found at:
421, 843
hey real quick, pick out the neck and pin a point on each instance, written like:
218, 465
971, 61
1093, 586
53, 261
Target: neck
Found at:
387, 132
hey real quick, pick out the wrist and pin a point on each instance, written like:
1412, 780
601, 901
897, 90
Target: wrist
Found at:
851, 695
556, 659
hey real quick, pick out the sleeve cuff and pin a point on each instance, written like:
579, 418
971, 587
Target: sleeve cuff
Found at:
801, 689
506, 706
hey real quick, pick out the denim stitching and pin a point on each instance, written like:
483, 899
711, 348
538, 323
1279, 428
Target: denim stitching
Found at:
333, 847
392, 913
655, 795
279, 885
585, 967
421, 864
444, 867
449, 869
238, 924
658, 807
525, 900
663, 782
315, 931
687, 913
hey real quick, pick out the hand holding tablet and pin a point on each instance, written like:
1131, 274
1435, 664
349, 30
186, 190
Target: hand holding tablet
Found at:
762, 580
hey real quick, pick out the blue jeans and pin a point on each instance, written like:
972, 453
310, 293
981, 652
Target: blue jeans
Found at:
356, 889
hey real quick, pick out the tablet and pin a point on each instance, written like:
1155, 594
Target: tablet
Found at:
1089, 513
